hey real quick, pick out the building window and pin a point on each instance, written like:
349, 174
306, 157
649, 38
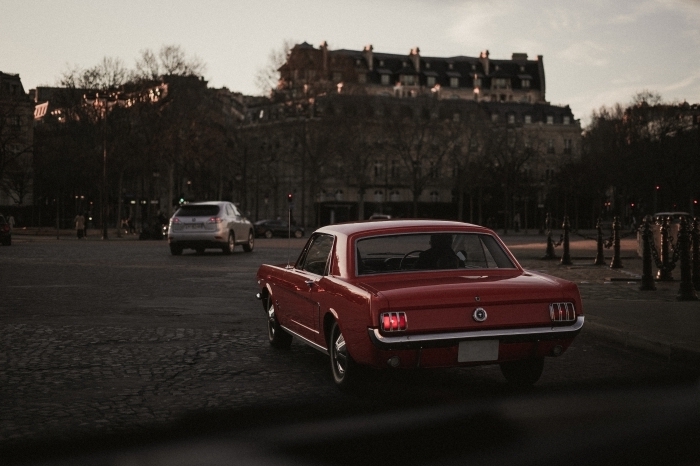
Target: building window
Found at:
550, 119
567, 146
567, 120
511, 118
385, 79
500, 83
377, 169
528, 119
430, 82
395, 196
525, 83
550, 146
362, 78
394, 168
379, 196
408, 79
454, 82
339, 195
494, 117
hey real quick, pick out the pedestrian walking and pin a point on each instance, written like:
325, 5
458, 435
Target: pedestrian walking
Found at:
80, 225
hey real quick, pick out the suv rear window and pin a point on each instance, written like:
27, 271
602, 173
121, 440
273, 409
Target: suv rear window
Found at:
197, 211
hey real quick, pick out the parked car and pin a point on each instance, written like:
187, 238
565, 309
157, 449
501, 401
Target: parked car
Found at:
5, 232
202, 225
418, 293
270, 228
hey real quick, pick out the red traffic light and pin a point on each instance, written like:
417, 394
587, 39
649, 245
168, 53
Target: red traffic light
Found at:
289, 197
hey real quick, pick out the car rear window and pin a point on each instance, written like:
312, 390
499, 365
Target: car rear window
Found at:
197, 211
426, 251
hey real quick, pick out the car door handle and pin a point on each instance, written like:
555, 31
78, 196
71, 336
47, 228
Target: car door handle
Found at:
310, 283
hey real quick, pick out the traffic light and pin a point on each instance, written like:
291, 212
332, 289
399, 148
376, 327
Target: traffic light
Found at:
290, 198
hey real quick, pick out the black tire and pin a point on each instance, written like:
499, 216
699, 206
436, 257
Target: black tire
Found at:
276, 334
298, 234
248, 247
175, 250
230, 245
268, 234
343, 368
523, 373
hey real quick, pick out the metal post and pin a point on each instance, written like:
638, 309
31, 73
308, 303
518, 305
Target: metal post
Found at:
566, 256
686, 291
647, 275
695, 236
616, 260
664, 273
599, 257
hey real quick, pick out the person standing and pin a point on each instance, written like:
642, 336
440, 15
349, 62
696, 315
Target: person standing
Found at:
11, 222
80, 225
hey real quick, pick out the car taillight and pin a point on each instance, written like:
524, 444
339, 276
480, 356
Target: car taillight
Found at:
215, 220
174, 220
562, 312
393, 321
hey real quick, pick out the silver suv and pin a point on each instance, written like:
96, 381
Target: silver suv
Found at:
202, 225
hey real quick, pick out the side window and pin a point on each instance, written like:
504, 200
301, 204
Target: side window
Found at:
234, 211
315, 257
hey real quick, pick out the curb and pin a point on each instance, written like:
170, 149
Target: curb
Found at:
673, 352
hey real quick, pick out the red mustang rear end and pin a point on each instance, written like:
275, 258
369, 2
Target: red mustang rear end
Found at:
415, 294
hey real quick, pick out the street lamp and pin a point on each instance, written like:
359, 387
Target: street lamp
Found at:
103, 102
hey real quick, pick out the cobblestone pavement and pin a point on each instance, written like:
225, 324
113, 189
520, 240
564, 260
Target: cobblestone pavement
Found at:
111, 336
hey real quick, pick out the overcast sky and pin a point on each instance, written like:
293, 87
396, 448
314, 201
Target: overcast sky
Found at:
596, 52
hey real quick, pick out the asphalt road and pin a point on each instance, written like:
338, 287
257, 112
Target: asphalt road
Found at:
116, 337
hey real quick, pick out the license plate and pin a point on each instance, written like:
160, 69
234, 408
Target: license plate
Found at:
479, 350
194, 226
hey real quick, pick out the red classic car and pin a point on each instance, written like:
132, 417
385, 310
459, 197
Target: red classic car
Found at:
418, 294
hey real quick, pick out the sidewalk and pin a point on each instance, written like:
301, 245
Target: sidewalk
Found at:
614, 306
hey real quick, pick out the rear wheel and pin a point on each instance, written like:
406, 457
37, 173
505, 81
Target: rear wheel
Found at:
523, 373
342, 365
268, 234
276, 334
230, 245
298, 234
248, 247
175, 250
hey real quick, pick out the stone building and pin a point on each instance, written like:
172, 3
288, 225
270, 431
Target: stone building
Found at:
16, 142
481, 113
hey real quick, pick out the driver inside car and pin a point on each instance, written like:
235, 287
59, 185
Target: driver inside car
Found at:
440, 254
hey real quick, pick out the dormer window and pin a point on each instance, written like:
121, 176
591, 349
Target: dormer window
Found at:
500, 83
550, 119
567, 120
522, 68
381, 62
528, 119
430, 81
427, 65
450, 66
454, 82
385, 79
525, 83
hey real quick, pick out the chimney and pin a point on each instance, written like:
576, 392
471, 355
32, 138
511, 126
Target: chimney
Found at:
484, 58
369, 56
415, 58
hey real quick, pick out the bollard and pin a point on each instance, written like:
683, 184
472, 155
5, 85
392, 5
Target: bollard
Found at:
616, 260
647, 275
599, 257
686, 292
566, 256
664, 273
549, 253
695, 235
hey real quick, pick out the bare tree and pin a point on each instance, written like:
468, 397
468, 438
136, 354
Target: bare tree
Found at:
267, 77
169, 60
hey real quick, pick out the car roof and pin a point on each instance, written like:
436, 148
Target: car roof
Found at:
399, 226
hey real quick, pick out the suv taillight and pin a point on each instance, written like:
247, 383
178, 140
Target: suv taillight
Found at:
215, 220
393, 321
